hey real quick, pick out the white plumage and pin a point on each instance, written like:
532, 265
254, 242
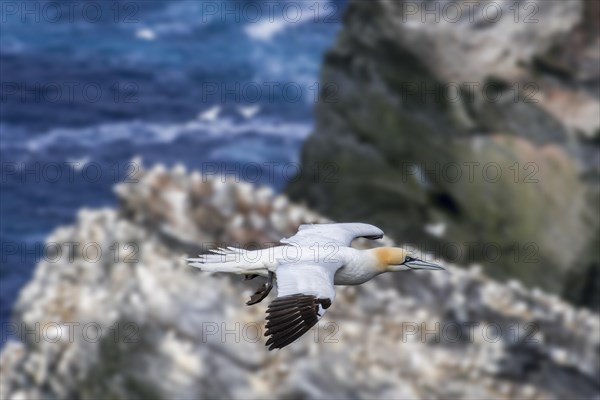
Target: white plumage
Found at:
307, 267
327, 234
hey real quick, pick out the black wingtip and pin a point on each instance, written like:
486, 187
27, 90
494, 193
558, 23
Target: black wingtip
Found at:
290, 317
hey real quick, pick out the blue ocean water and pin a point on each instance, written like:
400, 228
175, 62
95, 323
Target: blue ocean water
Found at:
88, 85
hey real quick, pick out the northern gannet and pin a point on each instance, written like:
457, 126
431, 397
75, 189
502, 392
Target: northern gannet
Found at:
306, 268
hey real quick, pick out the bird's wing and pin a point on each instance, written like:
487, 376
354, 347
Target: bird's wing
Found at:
304, 291
337, 234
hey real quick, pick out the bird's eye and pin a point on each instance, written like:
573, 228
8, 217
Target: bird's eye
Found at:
408, 258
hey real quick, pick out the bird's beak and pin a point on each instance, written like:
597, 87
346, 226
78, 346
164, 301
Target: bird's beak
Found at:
420, 264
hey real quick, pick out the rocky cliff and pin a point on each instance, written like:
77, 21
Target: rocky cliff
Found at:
133, 321
482, 121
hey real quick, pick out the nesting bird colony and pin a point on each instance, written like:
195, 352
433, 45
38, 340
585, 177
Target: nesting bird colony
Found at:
168, 330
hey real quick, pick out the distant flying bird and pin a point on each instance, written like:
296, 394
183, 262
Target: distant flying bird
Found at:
146, 34
306, 268
436, 230
248, 112
211, 114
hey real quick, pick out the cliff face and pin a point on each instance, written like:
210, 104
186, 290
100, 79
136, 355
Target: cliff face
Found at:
168, 331
485, 126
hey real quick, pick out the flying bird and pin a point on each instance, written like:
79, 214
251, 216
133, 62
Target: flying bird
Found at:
211, 114
248, 112
146, 34
306, 267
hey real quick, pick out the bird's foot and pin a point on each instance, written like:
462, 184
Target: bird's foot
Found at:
262, 292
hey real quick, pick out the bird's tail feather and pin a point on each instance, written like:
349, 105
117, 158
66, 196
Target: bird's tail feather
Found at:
230, 259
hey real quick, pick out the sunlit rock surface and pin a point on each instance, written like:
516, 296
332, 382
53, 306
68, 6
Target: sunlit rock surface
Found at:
482, 121
170, 331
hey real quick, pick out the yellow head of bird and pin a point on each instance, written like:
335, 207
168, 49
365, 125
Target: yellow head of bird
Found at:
392, 259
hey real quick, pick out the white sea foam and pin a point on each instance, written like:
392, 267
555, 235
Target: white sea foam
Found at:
141, 133
79, 163
266, 28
